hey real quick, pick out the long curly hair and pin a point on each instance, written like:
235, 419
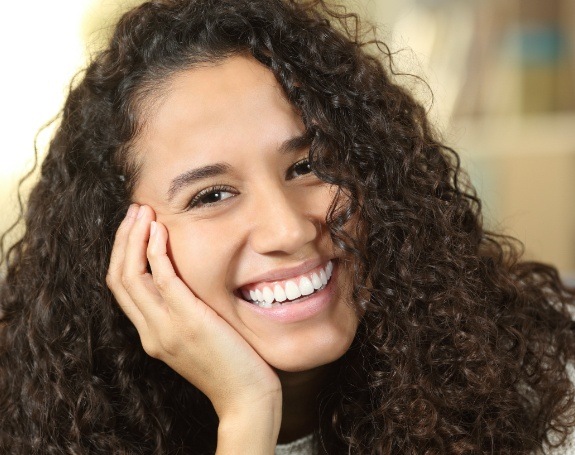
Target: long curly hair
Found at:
463, 348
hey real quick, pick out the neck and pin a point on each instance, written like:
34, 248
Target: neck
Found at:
300, 392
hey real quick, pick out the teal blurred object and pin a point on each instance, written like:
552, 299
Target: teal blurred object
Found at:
535, 44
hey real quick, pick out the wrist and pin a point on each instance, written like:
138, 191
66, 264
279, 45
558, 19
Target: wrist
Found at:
251, 428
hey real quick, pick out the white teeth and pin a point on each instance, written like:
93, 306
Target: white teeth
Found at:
305, 286
279, 293
268, 295
292, 290
316, 281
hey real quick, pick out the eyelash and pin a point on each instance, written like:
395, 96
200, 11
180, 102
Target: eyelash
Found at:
196, 200
293, 167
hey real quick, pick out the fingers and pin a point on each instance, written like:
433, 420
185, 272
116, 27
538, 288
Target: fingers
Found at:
114, 277
119, 248
172, 289
135, 260
136, 280
174, 326
145, 297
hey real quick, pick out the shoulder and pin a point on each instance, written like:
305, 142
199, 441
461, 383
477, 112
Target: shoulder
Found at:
303, 446
568, 448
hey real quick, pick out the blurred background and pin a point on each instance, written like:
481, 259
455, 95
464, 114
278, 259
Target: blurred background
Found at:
502, 74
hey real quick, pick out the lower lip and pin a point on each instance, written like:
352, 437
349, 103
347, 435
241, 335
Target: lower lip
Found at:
302, 309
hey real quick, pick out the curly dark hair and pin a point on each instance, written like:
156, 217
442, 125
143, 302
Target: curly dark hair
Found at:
463, 347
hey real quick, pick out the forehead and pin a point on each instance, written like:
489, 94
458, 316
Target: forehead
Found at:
213, 113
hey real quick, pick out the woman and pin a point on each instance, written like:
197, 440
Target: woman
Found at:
245, 233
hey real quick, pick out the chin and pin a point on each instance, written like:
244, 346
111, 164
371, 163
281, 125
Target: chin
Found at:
293, 356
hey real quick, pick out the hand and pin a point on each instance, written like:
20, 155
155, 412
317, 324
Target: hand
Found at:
187, 334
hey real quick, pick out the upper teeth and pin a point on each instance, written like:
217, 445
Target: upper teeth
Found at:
290, 289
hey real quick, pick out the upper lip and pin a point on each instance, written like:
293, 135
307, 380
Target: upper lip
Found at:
286, 272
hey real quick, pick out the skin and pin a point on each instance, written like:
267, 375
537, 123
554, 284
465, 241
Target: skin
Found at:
267, 213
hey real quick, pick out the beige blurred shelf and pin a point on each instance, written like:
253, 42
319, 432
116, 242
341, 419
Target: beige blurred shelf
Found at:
524, 168
509, 135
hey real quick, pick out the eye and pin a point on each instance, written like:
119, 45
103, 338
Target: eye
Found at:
300, 168
211, 196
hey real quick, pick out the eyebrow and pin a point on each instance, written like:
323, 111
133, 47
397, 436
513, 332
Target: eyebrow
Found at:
295, 143
192, 176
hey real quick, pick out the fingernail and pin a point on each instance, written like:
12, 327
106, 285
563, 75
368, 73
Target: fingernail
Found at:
141, 212
153, 228
131, 213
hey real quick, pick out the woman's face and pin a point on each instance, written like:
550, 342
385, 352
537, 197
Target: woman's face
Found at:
245, 216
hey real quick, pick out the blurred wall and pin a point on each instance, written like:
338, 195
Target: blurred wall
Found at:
43, 45
502, 75
41, 48
503, 78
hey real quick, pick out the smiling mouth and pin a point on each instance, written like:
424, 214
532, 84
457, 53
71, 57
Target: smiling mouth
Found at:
287, 291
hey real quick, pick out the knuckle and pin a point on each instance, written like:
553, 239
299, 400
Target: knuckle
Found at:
110, 280
114, 280
169, 346
162, 283
152, 252
127, 282
151, 348
160, 347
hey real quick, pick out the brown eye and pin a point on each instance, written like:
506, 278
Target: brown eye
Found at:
300, 168
211, 196
214, 196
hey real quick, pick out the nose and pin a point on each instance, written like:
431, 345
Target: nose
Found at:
282, 223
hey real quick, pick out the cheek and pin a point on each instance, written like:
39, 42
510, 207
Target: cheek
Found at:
318, 199
201, 257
